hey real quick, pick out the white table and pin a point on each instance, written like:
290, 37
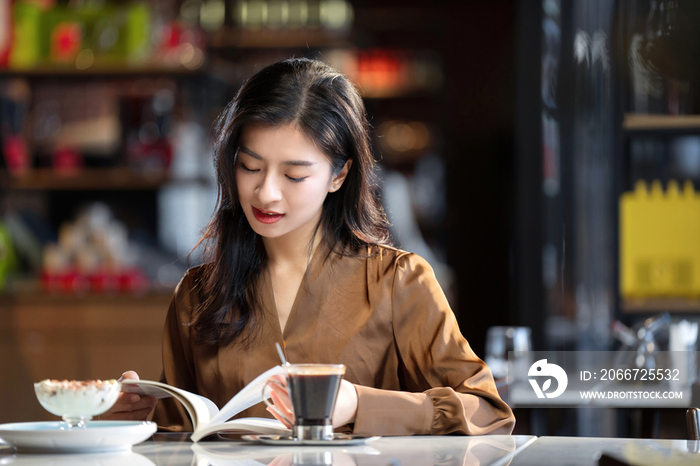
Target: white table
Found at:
496, 450
585, 451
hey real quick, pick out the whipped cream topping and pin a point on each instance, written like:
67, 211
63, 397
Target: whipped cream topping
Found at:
77, 398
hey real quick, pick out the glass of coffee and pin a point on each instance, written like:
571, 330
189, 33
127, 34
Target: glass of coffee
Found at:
313, 389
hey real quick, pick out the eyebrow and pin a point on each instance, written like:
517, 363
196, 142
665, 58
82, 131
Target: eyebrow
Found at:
294, 163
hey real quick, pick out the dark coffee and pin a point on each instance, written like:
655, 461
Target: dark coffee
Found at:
313, 397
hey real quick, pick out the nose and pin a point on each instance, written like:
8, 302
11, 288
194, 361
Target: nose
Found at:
268, 191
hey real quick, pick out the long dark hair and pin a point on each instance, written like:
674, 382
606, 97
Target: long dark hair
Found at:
326, 107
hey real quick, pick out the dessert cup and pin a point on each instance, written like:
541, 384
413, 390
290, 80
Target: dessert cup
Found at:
77, 401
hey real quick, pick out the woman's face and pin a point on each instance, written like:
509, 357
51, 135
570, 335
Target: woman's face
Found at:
283, 179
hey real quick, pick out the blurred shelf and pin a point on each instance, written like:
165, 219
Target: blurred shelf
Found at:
279, 38
97, 179
661, 305
29, 292
41, 298
661, 123
68, 337
102, 71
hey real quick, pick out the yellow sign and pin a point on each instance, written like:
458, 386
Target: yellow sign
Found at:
660, 241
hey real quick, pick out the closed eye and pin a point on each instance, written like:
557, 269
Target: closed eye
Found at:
250, 170
296, 180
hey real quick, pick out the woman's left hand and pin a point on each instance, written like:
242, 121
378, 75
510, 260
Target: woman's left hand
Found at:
345, 405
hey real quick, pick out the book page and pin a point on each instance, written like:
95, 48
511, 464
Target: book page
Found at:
200, 409
250, 395
256, 425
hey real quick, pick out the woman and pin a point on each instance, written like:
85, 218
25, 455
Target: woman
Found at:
297, 252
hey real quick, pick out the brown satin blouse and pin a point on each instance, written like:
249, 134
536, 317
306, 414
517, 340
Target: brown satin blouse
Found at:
384, 316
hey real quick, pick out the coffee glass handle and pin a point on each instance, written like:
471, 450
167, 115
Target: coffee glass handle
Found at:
271, 405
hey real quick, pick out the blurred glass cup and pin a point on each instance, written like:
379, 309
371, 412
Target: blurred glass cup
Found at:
682, 344
500, 341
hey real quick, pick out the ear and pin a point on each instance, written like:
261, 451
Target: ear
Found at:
340, 177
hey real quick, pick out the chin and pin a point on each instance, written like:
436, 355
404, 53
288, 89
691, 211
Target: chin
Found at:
266, 234
266, 231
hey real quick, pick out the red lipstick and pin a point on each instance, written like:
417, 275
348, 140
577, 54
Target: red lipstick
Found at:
264, 216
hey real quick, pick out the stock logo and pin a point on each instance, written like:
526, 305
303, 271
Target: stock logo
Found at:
542, 369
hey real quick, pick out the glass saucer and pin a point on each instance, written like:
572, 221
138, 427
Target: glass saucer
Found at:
337, 440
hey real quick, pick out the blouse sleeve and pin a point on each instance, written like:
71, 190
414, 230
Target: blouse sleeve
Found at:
448, 389
178, 367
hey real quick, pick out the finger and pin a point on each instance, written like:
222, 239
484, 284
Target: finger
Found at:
276, 462
284, 421
144, 403
279, 389
278, 417
131, 375
280, 378
137, 415
283, 410
123, 403
282, 460
282, 397
132, 402
282, 404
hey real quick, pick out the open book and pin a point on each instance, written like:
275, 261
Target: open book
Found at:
206, 417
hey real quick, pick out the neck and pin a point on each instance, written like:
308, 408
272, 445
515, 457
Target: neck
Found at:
291, 251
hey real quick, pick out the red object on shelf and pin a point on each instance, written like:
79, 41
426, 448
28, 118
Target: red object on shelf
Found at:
16, 154
132, 281
68, 282
67, 161
51, 282
171, 34
102, 282
154, 156
6, 27
75, 283
66, 41
382, 71
175, 34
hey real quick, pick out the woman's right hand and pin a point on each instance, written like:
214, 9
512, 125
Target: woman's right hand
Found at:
130, 406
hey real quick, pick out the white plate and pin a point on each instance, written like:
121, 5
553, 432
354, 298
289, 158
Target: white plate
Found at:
96, 436
338, 440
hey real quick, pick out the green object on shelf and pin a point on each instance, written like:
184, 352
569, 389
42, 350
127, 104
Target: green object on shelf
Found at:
100, 32
26, 47
8, 261
138, 31
108, 33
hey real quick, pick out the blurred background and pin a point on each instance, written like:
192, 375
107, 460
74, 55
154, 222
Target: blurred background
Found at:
544, 156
